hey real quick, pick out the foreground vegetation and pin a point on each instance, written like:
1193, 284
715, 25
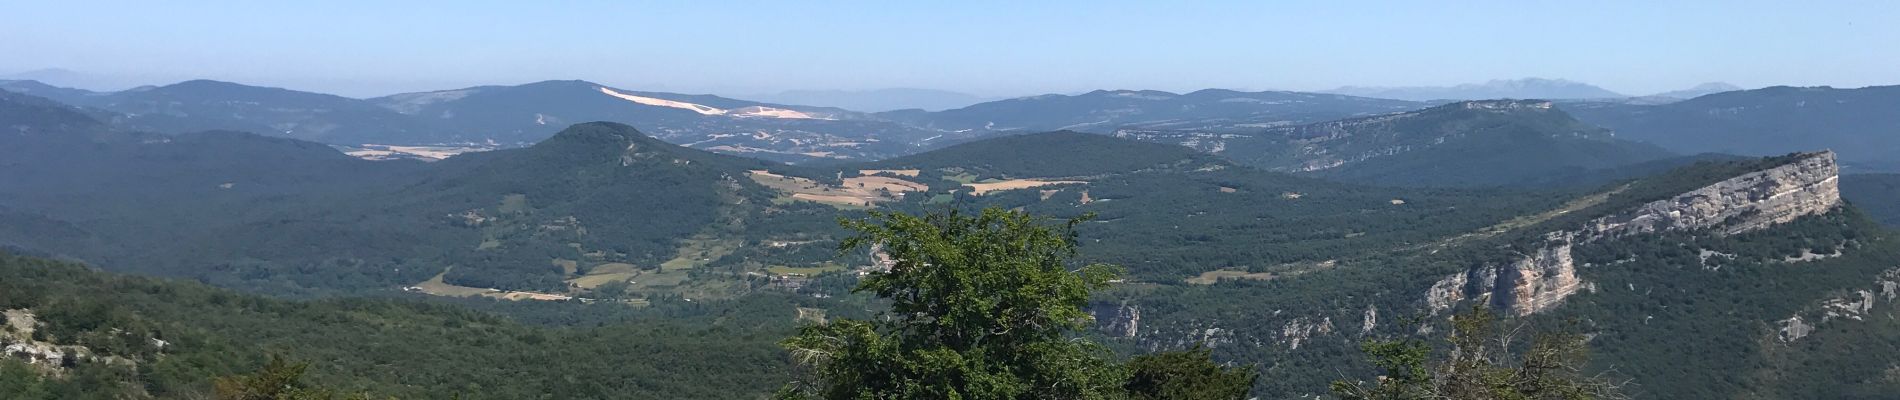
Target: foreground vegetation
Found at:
986, 307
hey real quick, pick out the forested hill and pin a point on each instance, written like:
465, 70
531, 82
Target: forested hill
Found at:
1049, 154
290, 216
1465, 144
1857, 122
136, 338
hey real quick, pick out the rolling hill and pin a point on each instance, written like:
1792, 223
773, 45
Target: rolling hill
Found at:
1859, 123
598, 193
502, 116
528, 113
1104, 111
1526, 88
1467, 144
203, 105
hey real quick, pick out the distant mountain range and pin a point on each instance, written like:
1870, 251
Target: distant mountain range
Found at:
1104, 111
1526, 88
1859, 123
1749, 122
523, 114
877, 100
1699, 90
1473, 143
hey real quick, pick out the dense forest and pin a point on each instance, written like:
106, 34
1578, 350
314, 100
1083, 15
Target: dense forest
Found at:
167, 339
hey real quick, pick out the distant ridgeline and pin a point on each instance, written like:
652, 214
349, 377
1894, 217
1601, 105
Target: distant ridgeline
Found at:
1698, 278
1464, 144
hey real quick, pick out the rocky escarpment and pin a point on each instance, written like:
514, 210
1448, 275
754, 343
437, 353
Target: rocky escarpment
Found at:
1544, 277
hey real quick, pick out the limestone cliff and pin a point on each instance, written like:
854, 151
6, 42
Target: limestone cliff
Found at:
1544, 277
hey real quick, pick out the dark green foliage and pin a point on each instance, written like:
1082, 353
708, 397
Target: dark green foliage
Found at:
292, 217
982, 307
1167, 213
1483, 363
278, 380
1185, 375
402, 348
1876, 194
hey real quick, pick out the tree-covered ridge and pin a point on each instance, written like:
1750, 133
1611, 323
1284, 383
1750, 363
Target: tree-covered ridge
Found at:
1722, 294
1857, 122
1481, 143
1046, 155
295, 217
152, 338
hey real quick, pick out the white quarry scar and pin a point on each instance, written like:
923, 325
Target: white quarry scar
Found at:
664, 102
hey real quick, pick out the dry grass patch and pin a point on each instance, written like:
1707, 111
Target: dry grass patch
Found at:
806, 271
606, 273
979, 189
1215, 276
436, 286
862, 191
899, 172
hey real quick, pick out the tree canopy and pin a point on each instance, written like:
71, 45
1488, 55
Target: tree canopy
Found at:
984, 306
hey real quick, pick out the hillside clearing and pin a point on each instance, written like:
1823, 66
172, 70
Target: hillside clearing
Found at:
979, 189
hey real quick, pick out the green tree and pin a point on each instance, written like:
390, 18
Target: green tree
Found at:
981, 307
1186, 375
278, 380
1481, 366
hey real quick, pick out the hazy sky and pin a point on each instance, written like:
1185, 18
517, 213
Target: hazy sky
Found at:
363, 48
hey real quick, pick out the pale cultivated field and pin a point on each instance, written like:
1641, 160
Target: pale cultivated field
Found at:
980, 188
435, 286
1211, 277
863, 191
605, 273
899, 172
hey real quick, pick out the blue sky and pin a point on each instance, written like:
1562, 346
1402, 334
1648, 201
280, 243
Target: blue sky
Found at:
1000, 48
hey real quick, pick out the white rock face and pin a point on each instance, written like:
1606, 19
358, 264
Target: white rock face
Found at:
1744, 203
1303, 329
1543, 278
1122, 320
1371, 320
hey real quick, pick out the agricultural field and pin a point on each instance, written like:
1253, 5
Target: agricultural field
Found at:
806, 271
855, 192
899, 172
980, 188
437, 287
604, 273
699, 250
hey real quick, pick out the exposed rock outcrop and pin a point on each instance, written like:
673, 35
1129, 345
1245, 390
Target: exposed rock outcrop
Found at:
1543, 278
1856, 304
1303, 329
1123, 319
